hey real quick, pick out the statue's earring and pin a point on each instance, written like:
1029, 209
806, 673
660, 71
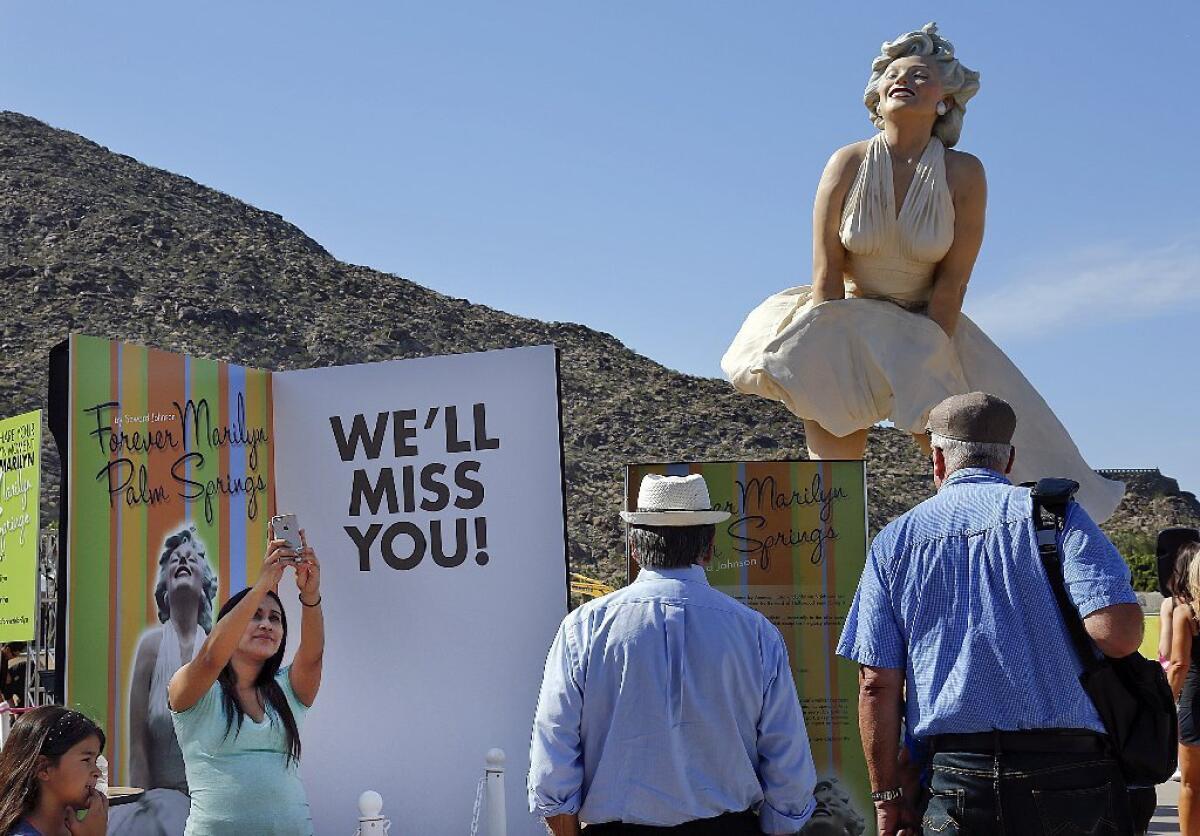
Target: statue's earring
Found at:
941, 108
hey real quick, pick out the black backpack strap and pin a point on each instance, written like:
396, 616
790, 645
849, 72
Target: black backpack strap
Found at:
1051, 498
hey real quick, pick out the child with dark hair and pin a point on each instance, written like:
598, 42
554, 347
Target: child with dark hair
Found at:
238, 715
48, 773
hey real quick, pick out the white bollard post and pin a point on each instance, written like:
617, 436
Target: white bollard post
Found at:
497, 821
370, 815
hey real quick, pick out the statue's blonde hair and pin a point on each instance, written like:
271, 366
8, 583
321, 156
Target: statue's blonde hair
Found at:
958, 82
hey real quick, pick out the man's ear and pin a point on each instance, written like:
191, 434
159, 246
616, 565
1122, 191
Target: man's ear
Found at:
939, 464
1012, 457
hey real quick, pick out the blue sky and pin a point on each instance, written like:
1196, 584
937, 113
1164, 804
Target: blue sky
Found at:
647, 167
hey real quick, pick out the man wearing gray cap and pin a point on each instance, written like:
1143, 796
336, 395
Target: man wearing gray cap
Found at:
667, 706
956, 622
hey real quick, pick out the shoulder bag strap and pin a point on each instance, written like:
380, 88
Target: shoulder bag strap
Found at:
1048, 522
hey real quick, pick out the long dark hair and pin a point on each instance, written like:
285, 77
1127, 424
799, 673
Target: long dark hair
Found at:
1172, 563
47, 732
1183, 585
1187, 563
264, 683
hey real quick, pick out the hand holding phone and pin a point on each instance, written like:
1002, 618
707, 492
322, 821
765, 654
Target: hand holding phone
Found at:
287, 527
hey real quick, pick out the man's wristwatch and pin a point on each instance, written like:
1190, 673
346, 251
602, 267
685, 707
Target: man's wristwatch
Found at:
883, 796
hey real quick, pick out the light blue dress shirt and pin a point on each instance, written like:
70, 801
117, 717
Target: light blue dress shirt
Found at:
955, 593
666, 702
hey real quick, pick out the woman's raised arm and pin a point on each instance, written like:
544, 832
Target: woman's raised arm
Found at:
305, 675
192, 681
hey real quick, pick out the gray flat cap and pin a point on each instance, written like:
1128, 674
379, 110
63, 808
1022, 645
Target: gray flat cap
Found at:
975, 416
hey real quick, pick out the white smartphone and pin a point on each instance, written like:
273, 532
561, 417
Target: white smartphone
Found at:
287, 527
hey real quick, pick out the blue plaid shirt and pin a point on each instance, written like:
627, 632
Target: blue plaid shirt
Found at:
954, 592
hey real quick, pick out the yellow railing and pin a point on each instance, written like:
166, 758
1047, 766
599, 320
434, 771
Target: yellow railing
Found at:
586, 587
1150, 638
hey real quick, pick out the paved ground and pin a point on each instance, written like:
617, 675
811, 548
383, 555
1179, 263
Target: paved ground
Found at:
1166, 817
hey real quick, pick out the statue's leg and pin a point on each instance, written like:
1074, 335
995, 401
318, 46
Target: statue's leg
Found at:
822, 444
922, 442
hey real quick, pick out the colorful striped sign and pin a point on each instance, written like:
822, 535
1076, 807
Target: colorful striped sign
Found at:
794, 550
158, 443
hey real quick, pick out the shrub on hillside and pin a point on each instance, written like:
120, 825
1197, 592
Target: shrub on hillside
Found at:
1138, 551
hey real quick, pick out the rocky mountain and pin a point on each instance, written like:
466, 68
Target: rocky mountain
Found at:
96, 242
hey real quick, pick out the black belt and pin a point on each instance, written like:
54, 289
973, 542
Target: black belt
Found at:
1032, 740
728, 824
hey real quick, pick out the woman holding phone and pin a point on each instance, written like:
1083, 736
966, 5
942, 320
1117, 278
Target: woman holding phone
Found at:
238, 715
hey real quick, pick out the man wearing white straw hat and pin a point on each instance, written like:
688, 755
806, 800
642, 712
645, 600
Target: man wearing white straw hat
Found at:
669, 707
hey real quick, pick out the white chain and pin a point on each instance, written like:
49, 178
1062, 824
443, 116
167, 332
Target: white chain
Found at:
478, 806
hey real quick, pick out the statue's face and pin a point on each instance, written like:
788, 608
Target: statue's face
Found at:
184, 569
910, 85
834, 814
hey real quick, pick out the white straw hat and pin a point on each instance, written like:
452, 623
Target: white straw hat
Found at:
674, 500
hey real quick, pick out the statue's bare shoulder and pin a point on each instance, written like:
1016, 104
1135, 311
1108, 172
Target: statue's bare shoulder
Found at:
964, 171
149, 643
839, 175
846, 160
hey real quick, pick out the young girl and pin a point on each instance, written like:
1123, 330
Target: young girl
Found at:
48, 774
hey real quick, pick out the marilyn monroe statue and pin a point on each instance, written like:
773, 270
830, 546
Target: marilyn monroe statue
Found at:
897, 224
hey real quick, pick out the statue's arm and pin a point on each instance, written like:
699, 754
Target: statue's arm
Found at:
139, 709
969, 187
829, 256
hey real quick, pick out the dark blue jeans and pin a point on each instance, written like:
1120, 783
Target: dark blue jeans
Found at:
1026, 793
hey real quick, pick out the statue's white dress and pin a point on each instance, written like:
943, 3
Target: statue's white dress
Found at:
163, 810
850, 363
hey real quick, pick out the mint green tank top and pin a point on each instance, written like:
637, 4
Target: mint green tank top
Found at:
241, 783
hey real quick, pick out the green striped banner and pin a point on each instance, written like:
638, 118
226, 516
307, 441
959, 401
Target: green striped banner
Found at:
160, 446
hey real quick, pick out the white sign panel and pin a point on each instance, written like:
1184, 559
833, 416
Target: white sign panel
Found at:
432, 491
